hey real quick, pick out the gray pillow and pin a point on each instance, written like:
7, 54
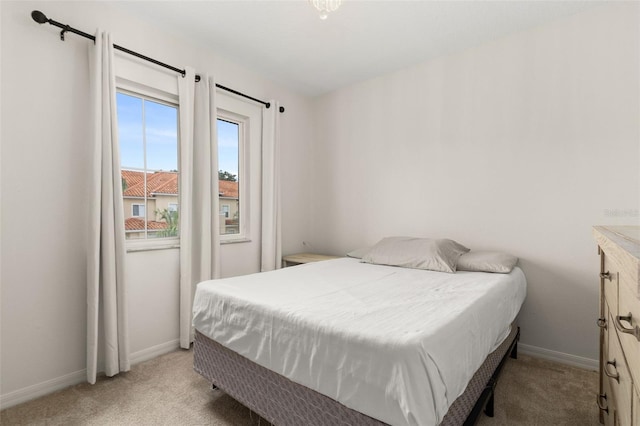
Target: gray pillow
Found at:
418, 253
487, 261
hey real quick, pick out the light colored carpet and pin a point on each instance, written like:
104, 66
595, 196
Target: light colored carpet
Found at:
532, 391
166, 391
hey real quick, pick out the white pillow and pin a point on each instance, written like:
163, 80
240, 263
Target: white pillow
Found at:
418, 253
487, 261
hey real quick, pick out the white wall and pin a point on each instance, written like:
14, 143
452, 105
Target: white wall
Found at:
44, 154
521, 144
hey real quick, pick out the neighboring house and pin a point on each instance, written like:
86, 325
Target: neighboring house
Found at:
161, 194
228, 193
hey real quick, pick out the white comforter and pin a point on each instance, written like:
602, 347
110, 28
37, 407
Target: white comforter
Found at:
397, 344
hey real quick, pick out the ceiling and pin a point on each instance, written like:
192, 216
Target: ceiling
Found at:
286, 41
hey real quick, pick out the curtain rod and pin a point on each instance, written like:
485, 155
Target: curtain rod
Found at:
41, 18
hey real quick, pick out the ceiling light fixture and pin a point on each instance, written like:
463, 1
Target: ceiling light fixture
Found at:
325, 6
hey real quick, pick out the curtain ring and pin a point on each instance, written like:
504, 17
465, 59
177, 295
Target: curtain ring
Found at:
64, 30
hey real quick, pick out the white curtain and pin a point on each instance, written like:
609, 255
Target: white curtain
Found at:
199, 204
271, 220
106, 289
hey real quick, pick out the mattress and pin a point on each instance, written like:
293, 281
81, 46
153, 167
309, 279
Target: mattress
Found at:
399, 345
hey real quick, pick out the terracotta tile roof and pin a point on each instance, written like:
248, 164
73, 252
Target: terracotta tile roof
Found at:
166, 183
157, 183
228, 189
137, 224
132, 178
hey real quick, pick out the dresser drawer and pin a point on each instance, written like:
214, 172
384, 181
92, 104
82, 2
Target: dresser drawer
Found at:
605, 403
627, 324
636, 408
619, 379
610, 273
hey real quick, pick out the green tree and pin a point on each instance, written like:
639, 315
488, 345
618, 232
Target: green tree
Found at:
171, 219
222, 175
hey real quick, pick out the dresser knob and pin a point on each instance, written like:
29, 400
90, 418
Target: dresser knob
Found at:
635, 331
615, 376
602, 323
601, 405
606, 276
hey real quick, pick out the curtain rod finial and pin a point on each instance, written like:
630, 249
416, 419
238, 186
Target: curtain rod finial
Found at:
39, 17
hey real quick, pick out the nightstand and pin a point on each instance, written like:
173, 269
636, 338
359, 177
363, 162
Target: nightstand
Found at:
300, 258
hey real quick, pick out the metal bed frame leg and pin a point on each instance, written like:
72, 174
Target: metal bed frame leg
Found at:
486, 399
514, 351
488, 409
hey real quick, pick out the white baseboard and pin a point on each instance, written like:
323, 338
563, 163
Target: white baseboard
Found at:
40, 389
560, 357
154, 351
49, 386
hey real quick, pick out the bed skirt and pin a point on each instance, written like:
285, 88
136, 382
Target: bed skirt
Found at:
286, 403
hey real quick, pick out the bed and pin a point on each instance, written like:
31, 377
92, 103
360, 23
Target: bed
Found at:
346, 342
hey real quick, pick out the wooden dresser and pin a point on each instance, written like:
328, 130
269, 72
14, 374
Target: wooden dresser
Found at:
619, 322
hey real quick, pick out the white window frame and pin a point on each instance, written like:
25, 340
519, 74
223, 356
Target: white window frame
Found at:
144, 207
135, 89
243, 176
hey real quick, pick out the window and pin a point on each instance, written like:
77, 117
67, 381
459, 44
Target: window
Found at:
239, 130
148, 135
137, 210
231, 176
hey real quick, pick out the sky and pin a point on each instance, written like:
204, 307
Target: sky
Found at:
162, 135
228, 147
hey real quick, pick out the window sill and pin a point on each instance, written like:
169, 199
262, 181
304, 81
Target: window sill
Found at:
138, 246
235, 241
